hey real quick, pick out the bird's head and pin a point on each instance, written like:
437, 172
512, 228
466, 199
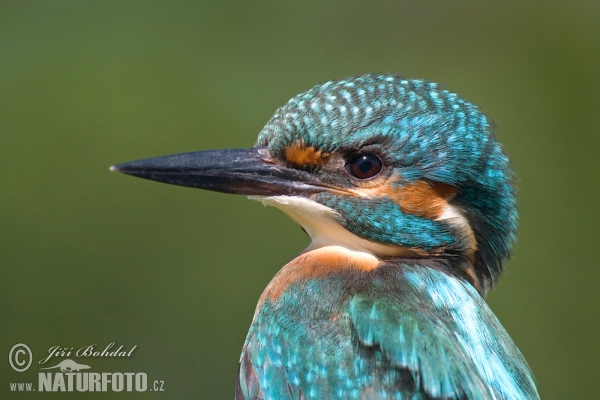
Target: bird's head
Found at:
375, 164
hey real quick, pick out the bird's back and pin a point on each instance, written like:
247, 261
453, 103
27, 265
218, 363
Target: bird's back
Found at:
401, 330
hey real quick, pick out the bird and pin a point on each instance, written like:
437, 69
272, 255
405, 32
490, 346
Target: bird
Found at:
410, 204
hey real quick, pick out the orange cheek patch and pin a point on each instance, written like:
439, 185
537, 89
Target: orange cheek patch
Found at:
424, 199
315, 264
418, 198
300, 154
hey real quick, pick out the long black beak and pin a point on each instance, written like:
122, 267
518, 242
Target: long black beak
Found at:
238, 171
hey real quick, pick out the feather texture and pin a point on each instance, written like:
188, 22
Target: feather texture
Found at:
400, 331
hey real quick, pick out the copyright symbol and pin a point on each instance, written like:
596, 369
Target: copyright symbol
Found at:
20, 357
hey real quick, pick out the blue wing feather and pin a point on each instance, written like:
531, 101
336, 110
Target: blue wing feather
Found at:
416, 342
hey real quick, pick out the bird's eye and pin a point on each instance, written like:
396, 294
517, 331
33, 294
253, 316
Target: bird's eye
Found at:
364, 166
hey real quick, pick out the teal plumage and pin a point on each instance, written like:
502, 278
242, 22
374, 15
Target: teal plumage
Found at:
409, 202
400, 332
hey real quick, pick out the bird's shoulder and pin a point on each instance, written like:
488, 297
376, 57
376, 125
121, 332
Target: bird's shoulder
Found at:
393, 332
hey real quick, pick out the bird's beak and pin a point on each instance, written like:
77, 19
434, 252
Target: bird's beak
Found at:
238, 171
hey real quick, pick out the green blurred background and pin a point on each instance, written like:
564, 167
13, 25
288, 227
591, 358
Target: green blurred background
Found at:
93, 257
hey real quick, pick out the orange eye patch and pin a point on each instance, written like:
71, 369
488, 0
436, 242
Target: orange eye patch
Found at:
300, 154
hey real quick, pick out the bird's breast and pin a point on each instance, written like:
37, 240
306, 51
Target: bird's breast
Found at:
319, 263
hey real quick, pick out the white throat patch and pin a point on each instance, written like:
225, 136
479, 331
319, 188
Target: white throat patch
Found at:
323, 225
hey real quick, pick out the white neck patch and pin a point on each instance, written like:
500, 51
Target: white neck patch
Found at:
455, 217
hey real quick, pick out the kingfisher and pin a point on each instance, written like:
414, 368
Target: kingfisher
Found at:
409, 201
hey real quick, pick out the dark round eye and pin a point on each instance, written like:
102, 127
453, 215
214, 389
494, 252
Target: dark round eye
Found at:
364, 166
